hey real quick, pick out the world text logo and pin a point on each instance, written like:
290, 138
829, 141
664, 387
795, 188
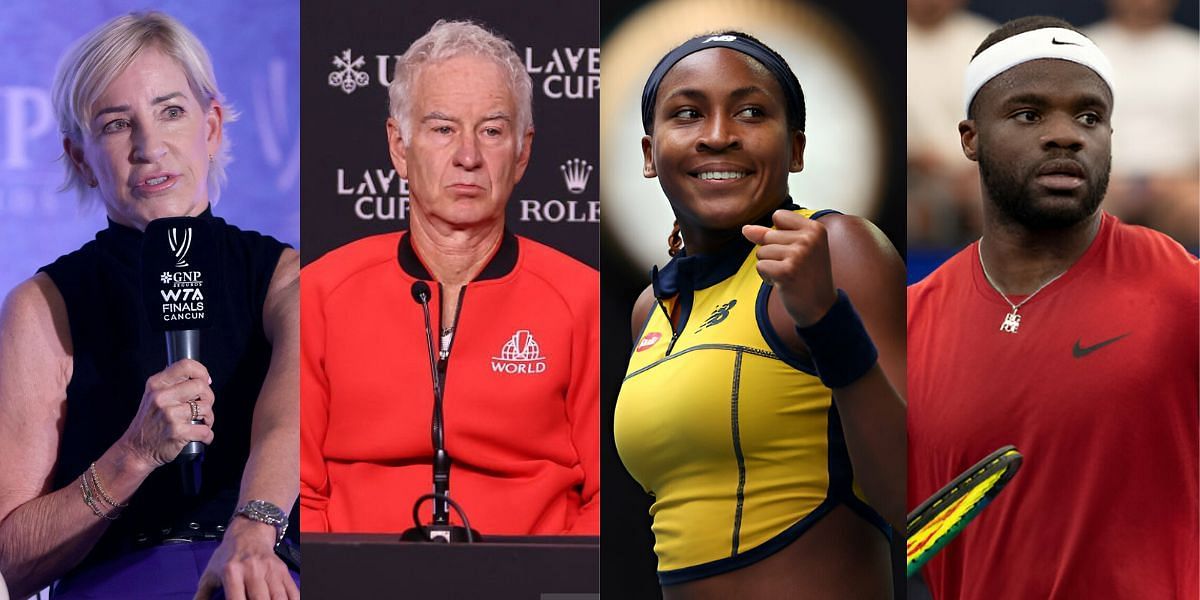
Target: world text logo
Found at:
520, 355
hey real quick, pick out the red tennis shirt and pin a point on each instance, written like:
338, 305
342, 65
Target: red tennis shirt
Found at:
1098, 389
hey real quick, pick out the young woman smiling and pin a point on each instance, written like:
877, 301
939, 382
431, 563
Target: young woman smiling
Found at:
758, 408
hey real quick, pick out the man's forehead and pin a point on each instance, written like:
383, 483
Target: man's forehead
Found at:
454, 107
1049, 78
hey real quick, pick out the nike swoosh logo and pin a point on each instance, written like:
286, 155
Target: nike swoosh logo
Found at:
1056, 42
1080, 352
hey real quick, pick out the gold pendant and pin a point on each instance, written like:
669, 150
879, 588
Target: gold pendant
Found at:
1011, 322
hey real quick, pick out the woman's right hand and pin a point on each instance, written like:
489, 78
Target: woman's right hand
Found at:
163, 425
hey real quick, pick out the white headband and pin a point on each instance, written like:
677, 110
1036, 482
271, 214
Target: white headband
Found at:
1051, 42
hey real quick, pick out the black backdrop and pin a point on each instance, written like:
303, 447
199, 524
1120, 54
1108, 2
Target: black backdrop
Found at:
348, 186
626, 556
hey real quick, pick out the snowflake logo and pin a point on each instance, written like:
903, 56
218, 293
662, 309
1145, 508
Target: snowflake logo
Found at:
165, 277
349, 78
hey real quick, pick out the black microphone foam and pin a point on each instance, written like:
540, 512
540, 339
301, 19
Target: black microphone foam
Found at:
179, 273
421, 292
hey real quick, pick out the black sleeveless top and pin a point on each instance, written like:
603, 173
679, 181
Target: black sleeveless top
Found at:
115, 351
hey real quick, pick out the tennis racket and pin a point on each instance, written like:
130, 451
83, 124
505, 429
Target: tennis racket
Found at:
940, 518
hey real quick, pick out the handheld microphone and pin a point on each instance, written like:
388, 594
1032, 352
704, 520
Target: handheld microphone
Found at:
179, 273
440, 530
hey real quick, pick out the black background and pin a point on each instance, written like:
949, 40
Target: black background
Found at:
347, 131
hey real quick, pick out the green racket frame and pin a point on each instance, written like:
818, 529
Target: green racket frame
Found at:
1006, 460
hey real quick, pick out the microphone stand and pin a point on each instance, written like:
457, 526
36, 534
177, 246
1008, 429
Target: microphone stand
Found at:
440, 530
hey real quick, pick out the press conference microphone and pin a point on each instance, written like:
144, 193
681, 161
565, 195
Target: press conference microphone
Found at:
440, 530
179, 273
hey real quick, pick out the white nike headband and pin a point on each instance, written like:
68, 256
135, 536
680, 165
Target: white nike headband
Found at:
1050, 42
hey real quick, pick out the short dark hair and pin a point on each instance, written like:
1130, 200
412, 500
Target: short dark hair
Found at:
1012, 28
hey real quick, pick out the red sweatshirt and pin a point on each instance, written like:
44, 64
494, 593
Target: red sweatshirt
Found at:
521, 391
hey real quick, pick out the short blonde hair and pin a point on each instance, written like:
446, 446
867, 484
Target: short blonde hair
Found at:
450, 39
99, 57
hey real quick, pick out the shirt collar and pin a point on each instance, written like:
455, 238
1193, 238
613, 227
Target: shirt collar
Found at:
501, 263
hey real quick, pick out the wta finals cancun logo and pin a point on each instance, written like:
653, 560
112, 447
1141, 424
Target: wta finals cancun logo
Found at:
180, 245
182, 294
520, 354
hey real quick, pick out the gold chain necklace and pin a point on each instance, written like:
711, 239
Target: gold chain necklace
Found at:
1012, 320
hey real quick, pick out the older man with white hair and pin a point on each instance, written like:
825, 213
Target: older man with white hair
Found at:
516, 371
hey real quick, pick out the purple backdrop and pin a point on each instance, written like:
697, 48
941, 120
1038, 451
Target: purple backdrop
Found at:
255, 47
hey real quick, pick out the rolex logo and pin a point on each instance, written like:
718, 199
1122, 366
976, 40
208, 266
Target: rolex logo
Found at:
348, 77
575, 174
180, 244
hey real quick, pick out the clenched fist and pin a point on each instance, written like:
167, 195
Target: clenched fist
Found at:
794, 257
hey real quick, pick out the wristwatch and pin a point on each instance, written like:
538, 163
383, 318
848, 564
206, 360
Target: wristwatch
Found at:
265, 512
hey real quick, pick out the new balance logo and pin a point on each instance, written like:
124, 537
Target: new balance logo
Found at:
575, 174
520, 355
719, 314
720, 38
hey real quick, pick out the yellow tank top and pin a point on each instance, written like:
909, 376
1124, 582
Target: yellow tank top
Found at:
734, 436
